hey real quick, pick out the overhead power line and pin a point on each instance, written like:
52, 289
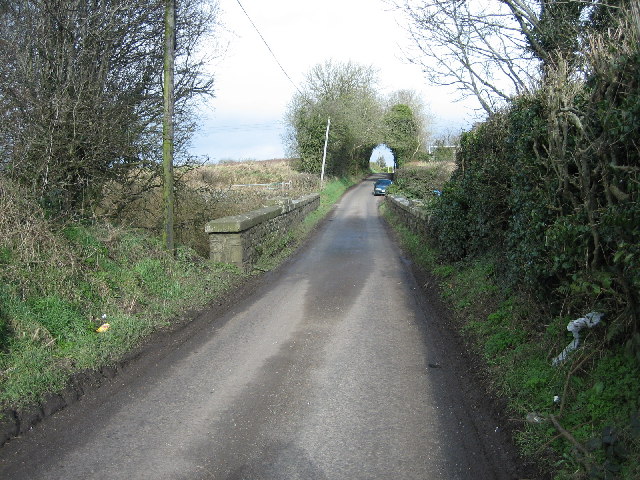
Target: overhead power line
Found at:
243, 127
269, 48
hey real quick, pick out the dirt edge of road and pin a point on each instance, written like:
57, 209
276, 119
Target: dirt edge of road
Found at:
491, 410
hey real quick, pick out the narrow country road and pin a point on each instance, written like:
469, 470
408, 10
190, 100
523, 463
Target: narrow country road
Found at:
330, 370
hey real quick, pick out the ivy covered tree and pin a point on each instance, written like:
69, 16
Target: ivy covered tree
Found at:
344, 92
420, 117
402, 133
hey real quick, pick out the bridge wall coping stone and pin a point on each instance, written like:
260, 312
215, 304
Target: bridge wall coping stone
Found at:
410, 212
239, 239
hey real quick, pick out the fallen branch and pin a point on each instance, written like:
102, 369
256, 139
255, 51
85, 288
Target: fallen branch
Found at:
569, 437
566, 382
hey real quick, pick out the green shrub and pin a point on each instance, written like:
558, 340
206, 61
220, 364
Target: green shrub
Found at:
449, 224
421, 181
472, 214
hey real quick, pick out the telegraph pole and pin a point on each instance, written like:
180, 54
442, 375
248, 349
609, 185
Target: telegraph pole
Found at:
168, 194
324, 155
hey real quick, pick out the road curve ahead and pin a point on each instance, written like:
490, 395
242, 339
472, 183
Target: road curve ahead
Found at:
329, 371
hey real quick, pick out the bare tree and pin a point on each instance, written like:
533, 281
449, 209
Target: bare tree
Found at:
478, 47
495, 50
81, 91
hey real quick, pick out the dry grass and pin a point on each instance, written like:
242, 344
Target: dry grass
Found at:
208, 192
224, 176
28, 247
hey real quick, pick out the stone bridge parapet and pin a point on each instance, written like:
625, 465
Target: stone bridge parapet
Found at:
238, 239
410, 212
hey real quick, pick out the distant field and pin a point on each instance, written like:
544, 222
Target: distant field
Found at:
254, 177
211, 191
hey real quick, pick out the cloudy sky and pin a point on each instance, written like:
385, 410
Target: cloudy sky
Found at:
244, 121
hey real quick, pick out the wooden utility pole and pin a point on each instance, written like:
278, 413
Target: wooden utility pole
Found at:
168, 194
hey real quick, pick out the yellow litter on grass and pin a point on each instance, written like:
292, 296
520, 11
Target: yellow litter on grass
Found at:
103, 328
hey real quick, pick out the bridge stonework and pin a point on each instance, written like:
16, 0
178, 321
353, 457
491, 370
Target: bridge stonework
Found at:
410, 213
238, 239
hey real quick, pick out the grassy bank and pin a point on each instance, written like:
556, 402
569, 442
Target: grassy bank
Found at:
61, 283
578, 419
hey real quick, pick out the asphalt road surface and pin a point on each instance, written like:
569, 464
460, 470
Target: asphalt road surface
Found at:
331, 369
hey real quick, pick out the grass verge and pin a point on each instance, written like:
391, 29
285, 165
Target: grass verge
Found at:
577, 420
119, 277
58, 292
